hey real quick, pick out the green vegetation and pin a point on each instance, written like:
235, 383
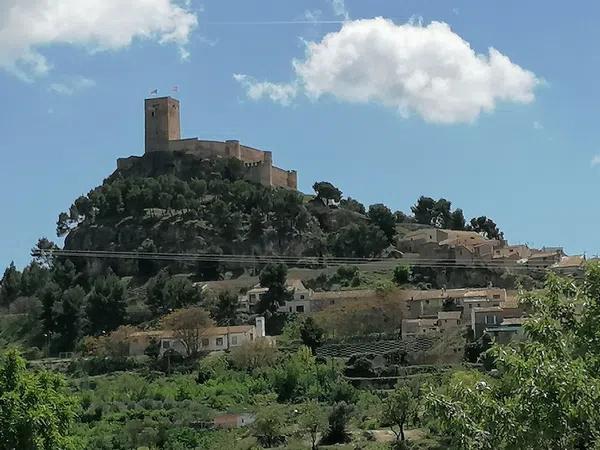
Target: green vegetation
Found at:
36, 412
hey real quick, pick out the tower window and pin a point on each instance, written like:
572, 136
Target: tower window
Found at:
152, 113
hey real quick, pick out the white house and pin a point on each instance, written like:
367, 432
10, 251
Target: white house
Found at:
300, 302
212, 339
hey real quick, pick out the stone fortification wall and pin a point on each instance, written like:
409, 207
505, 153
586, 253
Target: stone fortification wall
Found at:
283, 178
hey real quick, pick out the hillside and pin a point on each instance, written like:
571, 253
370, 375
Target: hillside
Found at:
170, 202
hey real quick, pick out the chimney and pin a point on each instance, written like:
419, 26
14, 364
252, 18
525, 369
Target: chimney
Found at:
260, 327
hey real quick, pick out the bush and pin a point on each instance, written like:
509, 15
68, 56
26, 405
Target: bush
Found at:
338, 421
402, 274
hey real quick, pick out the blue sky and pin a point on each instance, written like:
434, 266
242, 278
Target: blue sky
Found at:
519, 148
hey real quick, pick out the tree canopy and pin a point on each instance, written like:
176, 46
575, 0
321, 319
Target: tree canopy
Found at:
36, 412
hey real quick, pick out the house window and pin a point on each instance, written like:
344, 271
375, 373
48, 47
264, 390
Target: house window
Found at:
300, 308
234, 340
332, 302
496, 295
219, 341
290, 309
205, 342
252, 296
166, 345
302, 297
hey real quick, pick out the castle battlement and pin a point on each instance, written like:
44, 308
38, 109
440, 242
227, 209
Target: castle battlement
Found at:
163, 134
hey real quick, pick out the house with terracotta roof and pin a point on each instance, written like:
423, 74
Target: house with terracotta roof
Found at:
544, 259
570, 265
211, 339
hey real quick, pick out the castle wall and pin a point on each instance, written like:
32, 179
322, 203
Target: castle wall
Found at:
259, 172
249, 154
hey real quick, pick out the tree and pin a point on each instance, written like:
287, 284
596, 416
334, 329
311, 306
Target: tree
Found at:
165, 293
546, 391
353, 205
338, 421
188, 325
327, 191
105, 305
487, 227
423, 210
273, 276
313, 421
457, 220
311, 334
268, 425
33, 278
254, 355
398, 408
402, 274
42, 252
381, 216
35, 410
441, 214
225, 310
358, 240
68, 317
10, 285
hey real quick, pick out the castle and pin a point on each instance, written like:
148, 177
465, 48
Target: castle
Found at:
163, 134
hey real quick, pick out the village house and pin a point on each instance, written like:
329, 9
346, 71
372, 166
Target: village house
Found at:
511, 253
492, 317
448, 320
544, 258
211, 339
414, 241
300, 302
416, 327
510, 330
429, 303
570, 265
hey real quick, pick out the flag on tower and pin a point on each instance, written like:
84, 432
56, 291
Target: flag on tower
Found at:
154, 92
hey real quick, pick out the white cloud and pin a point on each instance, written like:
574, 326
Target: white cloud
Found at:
339, 9
96, 25
282, 93
595, 161
427, 70
72, 85
537, 125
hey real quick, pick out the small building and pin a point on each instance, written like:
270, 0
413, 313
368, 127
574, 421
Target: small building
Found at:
482, 318
570, 265
416, 327
230, 421
211, 339
544, 259
300, 302
509, 330
511, 253
448, 320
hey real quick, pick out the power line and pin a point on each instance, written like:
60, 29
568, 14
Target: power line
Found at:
295, 260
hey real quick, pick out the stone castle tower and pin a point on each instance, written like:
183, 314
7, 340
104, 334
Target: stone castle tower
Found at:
163, 134
162, 123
